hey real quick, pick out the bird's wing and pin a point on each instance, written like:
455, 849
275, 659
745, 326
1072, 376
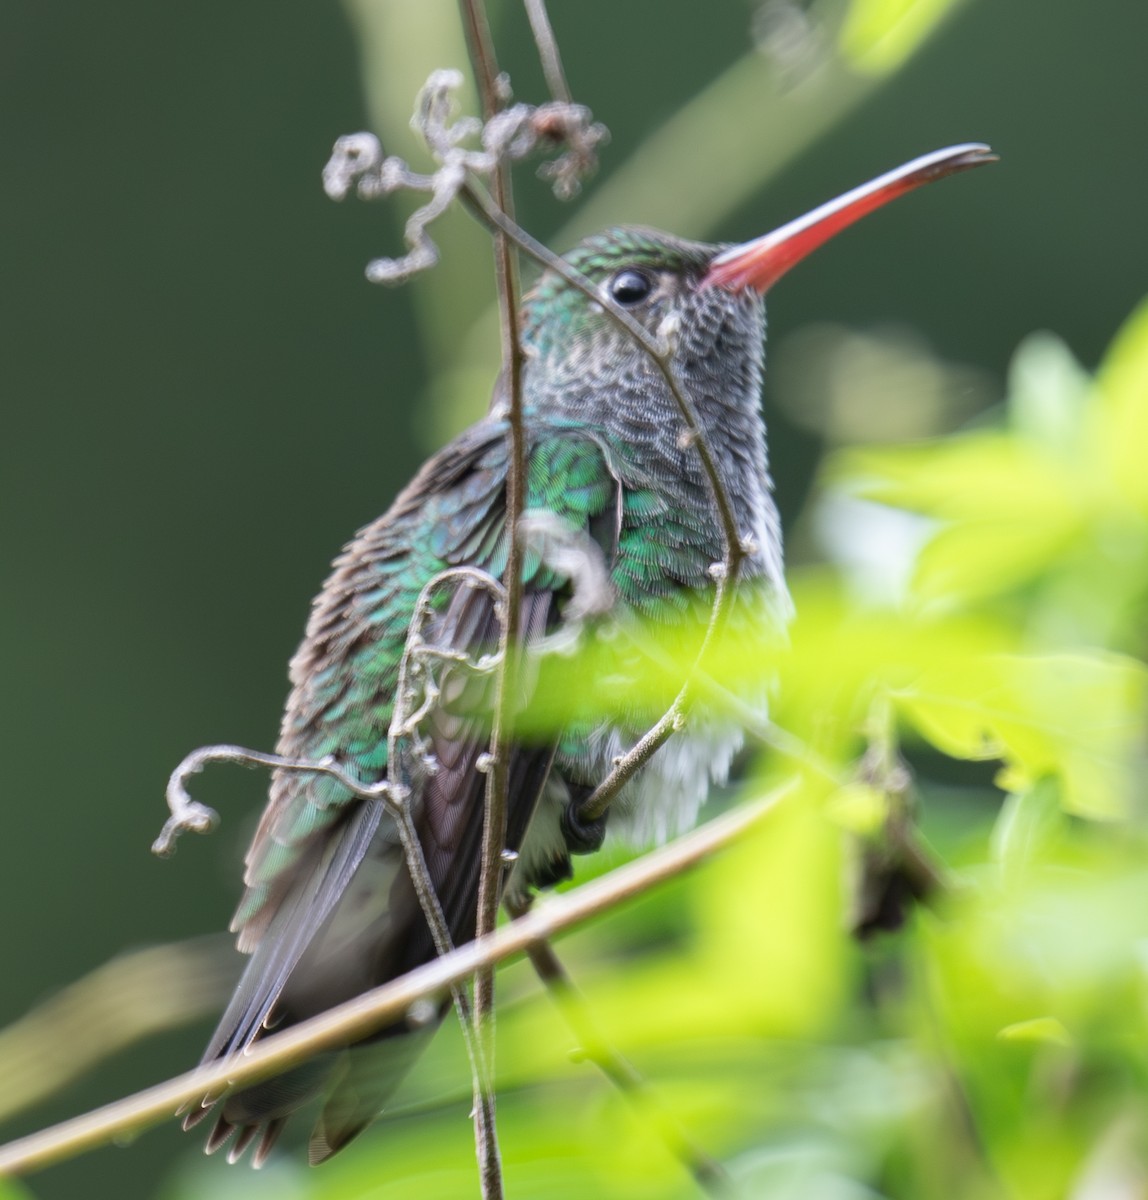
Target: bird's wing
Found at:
346, 671
330, 909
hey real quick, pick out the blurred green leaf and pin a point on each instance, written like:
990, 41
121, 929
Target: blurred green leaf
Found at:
789, 976
11, 1190
1007, 509
1077, 717
1039, 1029
859, 808
1030, 822
1057, 499
879, 35
1035, 990
843, 655
1048, 394
1123, 387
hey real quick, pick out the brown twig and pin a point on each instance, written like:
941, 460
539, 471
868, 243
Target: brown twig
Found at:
366, 1014
494, 97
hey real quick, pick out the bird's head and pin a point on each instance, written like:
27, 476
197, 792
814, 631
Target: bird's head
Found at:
706, 302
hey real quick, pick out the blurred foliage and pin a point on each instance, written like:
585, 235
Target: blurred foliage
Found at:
134, 996
1043, 510
878, 35
981, 613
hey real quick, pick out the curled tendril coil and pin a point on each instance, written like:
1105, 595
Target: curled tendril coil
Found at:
357, 161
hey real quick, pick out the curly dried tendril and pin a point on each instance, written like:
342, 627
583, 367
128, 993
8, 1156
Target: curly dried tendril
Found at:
357, 161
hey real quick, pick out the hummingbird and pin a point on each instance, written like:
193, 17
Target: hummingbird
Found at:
330, 909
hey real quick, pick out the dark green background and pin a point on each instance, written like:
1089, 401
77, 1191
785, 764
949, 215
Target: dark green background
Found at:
203, 398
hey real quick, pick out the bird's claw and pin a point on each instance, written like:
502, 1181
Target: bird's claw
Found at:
584, 835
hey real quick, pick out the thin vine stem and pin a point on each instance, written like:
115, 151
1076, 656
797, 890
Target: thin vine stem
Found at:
627, 765
548, 53
494, 94
708, 1173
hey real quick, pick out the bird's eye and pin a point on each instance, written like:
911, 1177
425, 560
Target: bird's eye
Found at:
630, 287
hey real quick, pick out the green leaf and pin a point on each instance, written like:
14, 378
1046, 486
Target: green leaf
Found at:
1030, 822
977, 559
1123, 383
879, 35
859, 808
843, 655
791, 972
1061, 494
1077, 717
11, 1190
1008, 508
1039, 1029
1048, 394
968, 476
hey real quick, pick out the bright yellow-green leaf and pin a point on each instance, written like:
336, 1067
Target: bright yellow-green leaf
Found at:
634, 672
974, 476
1062, 942
1062, 490
879, 35
842, 656
1009, 507
954, 724
1039, 1029
1049, 392
745, 972
1075, 716
1029, 823
791, 969
1058, 943
859, 808
985, 557
1123, 382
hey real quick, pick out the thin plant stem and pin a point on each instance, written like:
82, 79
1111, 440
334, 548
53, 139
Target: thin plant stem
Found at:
754, 722
548, 53
707, 1172
480, 44
954, 1093
371, 1011
485, 63
627, 765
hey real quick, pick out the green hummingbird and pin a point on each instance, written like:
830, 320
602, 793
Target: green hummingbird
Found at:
330, 910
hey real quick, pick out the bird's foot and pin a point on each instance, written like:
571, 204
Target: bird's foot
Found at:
584, 835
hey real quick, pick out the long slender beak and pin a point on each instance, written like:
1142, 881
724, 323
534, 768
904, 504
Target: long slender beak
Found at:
761, 263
